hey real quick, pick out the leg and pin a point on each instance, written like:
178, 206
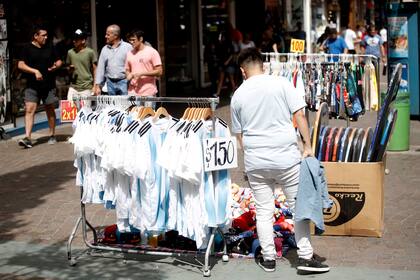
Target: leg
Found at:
49, 102
221, 81
50, 110
289, 179
262, 186
30, 108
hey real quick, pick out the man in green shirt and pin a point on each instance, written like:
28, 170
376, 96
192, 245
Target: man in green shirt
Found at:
81, 61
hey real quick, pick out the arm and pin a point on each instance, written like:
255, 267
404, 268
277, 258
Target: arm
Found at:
57, 64
304, 131
25, 68
239, 139
100, 73
156, 72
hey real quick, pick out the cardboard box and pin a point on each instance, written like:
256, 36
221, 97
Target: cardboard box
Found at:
357, 190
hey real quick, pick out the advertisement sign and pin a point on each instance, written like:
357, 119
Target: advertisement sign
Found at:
398, 37
297, 46
68, 111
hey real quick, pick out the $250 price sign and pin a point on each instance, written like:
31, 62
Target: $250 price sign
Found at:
220, 153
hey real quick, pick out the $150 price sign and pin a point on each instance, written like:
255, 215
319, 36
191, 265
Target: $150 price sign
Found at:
68, 111
220, 153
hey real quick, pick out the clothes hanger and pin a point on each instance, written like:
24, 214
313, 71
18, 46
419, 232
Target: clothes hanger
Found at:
147, 111
161, 111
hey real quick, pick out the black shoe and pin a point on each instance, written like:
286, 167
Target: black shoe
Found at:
25, 142
312, 265
268, 265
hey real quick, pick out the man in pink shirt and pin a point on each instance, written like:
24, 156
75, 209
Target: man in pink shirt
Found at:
142, 66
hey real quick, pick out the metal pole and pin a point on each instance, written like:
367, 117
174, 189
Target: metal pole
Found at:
307, 20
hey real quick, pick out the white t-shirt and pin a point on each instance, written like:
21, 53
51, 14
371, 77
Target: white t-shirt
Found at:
261, 110
383, 34
349, 36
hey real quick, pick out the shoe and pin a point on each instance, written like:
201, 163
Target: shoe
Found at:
215, 95
25, 142
267, 265
52, 140
312, 265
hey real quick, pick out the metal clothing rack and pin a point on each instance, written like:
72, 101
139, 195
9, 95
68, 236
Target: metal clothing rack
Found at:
138, 100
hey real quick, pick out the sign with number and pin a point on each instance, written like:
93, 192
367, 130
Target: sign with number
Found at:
220, 153
297, 46
68, 111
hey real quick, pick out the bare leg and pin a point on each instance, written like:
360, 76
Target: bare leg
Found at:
49, 109
30, 108
221, 81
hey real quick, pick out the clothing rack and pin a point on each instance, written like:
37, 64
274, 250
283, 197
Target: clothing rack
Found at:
140, 100
324, 59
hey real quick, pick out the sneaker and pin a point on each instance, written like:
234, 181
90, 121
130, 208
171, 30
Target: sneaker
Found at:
312, 265
267, 265
52, 140
215, 95
25, 142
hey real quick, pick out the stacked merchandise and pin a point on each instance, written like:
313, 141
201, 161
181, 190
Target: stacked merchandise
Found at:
242, 239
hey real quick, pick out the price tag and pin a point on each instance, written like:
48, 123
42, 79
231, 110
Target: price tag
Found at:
220, 153
297, 46
68, 111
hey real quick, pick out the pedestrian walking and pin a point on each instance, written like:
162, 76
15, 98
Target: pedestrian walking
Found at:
334, 44
372, 44
143, 66
262, 109
350, 38
81, 61
38, 62
111, 64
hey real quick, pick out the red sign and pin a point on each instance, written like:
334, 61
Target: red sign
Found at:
68, 111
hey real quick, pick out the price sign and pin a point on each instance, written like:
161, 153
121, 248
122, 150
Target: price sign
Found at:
68, 111
220, 153
297, 46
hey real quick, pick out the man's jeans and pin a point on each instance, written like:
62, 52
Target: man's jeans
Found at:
262, 182
117, 87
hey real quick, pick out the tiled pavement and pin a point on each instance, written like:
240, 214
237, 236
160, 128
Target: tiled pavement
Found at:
39, 206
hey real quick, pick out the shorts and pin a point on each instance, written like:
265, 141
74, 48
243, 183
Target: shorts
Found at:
48, 96
75, 93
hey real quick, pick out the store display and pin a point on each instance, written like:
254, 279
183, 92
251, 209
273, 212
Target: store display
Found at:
321, 120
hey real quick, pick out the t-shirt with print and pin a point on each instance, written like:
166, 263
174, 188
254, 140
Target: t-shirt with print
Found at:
261, 110
141, 61
82, 61
373, 45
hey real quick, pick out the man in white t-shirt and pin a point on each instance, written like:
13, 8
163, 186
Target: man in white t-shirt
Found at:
262, 109
350, 37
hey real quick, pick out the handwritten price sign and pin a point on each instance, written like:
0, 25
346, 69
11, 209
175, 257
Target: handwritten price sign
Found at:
297, 46
68, 111
220, 153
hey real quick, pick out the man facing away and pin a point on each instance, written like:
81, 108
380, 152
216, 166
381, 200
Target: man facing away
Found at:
111, 64
82, 65
262, 109
143, 66
38, 62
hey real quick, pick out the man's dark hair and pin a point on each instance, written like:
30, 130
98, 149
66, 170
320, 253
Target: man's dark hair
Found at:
136, 33
250, 56
37, 28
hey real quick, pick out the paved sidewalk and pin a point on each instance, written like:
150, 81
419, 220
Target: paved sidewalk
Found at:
40, 205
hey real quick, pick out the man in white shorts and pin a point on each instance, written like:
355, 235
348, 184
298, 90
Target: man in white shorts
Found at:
81, 61
262, 109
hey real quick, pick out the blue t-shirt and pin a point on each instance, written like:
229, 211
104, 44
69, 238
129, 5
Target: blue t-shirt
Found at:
336, 46
373, 45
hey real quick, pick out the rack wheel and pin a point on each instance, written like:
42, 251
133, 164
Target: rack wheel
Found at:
207, 273
72, 262
225, 258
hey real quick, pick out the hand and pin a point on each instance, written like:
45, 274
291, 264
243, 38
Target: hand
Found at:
52, 68
71, 68
97, 89
38, 75
307, 152
137, 75
130, 76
